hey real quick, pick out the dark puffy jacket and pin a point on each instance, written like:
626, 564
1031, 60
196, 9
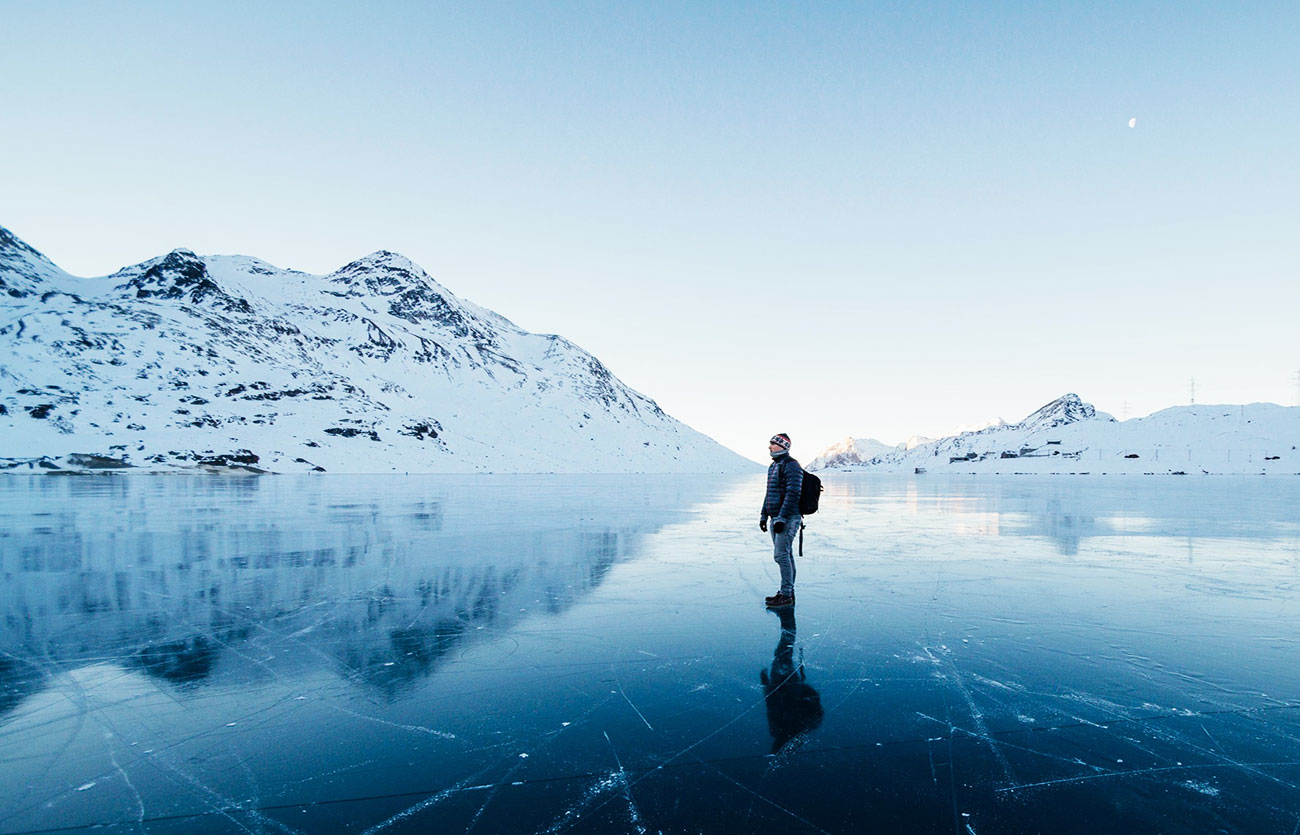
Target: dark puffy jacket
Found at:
784, 481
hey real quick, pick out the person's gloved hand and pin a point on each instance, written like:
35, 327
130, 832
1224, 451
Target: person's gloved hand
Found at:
762, 525
779, 527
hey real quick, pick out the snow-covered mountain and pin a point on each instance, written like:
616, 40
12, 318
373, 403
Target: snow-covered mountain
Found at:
851, 451
199, 361
1070, 436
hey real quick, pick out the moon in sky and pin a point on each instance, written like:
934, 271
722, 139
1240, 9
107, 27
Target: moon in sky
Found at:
1133, 122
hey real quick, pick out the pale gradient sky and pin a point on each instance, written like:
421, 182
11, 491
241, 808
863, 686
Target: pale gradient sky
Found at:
827, 219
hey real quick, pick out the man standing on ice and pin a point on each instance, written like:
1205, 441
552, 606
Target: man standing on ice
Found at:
781, 505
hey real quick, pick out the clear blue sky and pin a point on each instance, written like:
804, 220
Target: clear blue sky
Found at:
820, 218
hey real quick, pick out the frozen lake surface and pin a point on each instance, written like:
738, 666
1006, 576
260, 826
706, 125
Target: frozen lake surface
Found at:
591, 654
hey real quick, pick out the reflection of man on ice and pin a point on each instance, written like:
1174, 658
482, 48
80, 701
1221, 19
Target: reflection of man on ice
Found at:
781, 504
793, 706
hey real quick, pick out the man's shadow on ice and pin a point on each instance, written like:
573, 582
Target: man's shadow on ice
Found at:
794, 707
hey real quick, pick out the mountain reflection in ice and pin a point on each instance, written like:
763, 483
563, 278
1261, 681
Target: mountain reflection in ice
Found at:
590, 654
1070, 510
376, 579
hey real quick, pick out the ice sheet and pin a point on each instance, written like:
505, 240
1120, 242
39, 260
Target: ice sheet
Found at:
591, 654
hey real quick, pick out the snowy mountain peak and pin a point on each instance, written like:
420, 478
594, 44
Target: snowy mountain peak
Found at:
382, 273
851, 451
1060, 412
11, 242
22, 268
182, 275
387, 256
411, 293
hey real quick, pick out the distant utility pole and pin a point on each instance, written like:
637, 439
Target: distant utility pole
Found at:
1297, 388
1191, 391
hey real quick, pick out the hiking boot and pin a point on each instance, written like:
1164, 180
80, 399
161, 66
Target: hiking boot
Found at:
779, 600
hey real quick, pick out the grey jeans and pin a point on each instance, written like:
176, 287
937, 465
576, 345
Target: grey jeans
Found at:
783, 550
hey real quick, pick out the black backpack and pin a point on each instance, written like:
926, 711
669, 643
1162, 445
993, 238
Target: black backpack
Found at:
810, 494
